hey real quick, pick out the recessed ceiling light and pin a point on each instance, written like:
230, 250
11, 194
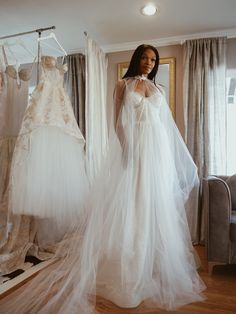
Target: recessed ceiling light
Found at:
149, 9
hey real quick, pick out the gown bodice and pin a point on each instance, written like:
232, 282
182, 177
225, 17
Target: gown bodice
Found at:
14, 85
52, 71
145, 109
49, 104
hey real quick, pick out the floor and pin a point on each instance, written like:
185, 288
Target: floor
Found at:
220, 294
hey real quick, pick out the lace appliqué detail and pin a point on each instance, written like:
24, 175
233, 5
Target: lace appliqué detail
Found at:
49, 106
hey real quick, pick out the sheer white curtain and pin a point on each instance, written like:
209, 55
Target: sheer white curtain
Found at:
205, 112
96, 111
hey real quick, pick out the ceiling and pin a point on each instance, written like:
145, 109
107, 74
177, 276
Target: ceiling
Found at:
117, 24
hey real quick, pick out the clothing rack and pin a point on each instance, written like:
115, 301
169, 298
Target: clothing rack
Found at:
39, 31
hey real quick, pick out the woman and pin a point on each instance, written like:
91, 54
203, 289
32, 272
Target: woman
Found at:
138, 231
136, 245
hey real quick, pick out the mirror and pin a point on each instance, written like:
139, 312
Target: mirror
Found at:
165, 77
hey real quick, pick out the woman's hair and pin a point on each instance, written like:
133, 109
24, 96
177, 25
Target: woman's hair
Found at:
133, 68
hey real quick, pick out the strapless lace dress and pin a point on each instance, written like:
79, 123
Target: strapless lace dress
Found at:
48, 177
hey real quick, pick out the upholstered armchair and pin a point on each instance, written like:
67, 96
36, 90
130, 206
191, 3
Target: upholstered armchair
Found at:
219, 203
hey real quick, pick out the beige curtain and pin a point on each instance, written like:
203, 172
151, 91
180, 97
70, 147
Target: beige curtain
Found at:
204, 94
74, 84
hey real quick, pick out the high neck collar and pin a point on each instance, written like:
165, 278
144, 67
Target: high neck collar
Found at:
141, 77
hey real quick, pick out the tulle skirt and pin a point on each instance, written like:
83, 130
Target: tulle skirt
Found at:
137, 244
48, 177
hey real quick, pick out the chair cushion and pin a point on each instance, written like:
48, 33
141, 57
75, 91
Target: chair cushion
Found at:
231, 181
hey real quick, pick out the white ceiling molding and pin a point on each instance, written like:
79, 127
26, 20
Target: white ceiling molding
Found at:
168, 41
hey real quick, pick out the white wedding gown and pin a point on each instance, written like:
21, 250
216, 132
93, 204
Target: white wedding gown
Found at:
136, 245
48, 178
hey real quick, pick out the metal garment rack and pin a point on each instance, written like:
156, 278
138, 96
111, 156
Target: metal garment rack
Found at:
39, 31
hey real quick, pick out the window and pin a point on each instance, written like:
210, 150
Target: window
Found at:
231, 123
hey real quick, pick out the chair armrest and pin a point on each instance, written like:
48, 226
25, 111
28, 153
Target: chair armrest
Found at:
217, 204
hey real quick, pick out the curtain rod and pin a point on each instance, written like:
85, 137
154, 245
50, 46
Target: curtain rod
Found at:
39, 31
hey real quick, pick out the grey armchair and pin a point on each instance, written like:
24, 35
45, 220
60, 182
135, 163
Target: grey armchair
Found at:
219, 203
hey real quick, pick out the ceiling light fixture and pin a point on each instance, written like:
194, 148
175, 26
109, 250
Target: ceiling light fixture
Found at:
149, 9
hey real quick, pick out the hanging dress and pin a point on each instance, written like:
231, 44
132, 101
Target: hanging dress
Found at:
48, 177
14, 230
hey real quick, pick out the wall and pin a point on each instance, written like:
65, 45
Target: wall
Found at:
168, 51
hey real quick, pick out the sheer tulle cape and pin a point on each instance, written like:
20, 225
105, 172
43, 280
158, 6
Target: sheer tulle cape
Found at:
133, 243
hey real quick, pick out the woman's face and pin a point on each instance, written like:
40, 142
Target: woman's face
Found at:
147, 62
